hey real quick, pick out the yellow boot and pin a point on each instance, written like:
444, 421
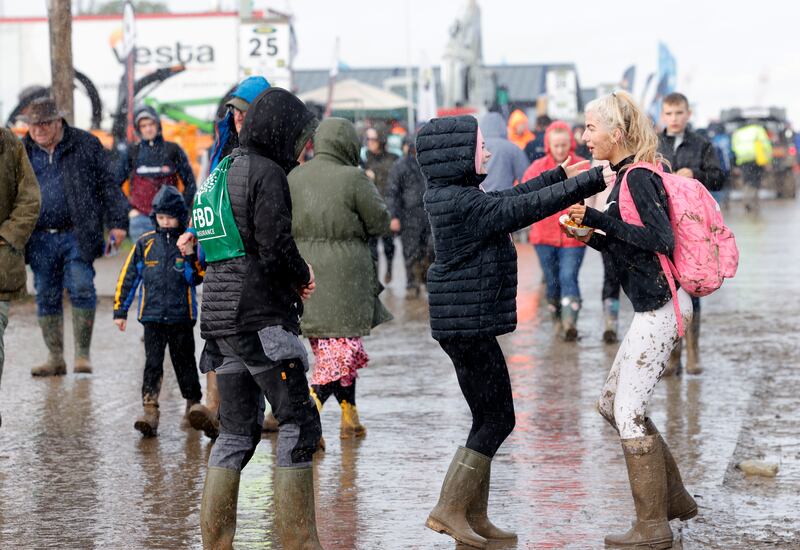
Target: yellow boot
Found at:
351, 425
321, 444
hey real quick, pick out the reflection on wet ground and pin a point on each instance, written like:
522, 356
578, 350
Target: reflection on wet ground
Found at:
74, 473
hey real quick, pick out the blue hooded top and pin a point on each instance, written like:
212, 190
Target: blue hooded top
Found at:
224, 130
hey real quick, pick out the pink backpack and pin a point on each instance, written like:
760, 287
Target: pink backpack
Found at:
705, 250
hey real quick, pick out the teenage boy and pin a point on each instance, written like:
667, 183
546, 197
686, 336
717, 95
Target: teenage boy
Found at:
692, 156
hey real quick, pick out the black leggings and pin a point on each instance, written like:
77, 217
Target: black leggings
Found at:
483, 376
342, 393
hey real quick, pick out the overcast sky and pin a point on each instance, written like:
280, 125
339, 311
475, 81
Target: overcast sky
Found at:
729, 53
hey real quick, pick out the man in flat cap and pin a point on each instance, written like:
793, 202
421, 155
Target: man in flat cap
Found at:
78, 196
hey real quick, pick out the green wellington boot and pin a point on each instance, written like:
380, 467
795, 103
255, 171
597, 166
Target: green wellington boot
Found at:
610, 320
674, 365
648, 479
680, 504
53, 333
477, 512
693, 345
82, 327
218, 508
295, 516
461, 487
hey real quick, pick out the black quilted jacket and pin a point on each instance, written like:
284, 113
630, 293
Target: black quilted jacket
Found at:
472, 285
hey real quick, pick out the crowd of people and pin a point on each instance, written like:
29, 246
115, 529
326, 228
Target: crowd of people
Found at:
284, 249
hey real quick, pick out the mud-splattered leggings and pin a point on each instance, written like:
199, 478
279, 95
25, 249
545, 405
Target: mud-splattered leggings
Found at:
640, 361
483, 376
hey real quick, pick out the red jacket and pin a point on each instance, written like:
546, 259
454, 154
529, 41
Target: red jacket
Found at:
547, 231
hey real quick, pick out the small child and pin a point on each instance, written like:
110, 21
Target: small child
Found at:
167, 304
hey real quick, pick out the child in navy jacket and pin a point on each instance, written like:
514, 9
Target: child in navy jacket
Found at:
167, 305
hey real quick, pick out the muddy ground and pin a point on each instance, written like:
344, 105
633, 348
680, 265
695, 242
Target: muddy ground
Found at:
75, 474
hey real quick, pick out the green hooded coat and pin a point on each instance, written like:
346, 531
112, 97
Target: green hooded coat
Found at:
19, 211
335, 211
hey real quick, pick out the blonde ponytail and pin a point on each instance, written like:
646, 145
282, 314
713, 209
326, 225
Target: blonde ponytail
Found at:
619, 110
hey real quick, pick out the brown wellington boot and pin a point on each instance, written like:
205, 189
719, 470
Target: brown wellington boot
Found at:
647, 475
148, 422
204, 417
53, 333
680, 504
295, 516
351, 426
270, 424
693, 345
82, 327
462, 485
674, 365
218, 508
185, 420
477, 512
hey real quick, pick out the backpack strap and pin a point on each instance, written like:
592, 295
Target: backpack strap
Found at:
666, 264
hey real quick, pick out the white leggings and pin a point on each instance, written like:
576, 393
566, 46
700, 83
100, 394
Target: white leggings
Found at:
640, 361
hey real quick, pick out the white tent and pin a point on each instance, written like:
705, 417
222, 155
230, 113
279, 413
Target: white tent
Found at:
353, 96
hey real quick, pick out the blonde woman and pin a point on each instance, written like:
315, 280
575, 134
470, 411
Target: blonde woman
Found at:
618, 131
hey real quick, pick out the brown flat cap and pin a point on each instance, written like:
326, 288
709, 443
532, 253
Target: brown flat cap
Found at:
39, 110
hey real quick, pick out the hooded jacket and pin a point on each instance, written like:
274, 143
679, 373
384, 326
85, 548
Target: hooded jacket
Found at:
548, 231
93, 198
19, 210
149, 165
527, 136
508, 162
472, 285
261, 289
336, 210
225, 137
155, 264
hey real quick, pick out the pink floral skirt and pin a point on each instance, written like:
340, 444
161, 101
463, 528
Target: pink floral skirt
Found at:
337, 359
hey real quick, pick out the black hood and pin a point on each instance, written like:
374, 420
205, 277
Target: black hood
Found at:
275, 124
446, 151
169, 201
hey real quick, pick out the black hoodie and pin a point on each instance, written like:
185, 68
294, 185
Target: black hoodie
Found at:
472, 285
149, 165
261, 289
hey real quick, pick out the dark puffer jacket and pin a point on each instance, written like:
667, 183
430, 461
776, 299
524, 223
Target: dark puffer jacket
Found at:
472, 285
260, 289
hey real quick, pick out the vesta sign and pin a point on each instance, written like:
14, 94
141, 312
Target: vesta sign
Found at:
178, 53
217, 50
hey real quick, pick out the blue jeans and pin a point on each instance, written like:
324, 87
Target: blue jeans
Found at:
561, 266
139, 225
721, 196
57, 264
